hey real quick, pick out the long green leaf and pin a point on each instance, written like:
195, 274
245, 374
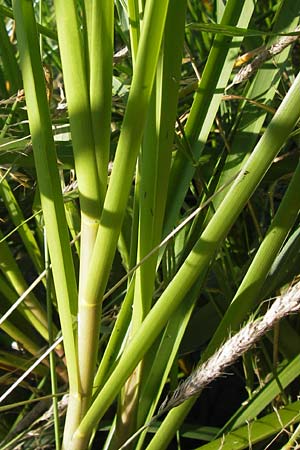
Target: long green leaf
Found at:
259, 430
48, 178
231, 31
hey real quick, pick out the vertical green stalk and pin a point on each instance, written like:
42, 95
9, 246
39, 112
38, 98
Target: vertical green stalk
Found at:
154, 165
101, 57
100, 86
52, 355
73, 48
50, 189
77, 92
206, 103
145, 275
134, 33
134, 27
87, 13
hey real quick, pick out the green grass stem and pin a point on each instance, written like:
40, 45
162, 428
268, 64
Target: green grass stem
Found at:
49, 182
205, 105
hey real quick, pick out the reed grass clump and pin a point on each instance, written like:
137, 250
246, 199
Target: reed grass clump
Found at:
149, 206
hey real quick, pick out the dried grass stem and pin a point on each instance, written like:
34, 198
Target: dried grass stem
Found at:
236, 346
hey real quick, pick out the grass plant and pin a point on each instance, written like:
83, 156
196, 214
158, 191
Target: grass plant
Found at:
102, 157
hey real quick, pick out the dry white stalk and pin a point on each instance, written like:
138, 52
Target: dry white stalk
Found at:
245, 72
235, 347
